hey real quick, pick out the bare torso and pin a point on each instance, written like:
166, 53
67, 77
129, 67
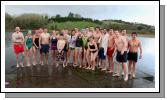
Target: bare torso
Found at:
45, 38
18, 38
134, 45
121, 43
111, 42
96, 37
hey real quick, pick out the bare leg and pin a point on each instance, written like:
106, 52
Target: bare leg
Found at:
88, 57
17, 61
112, 65
34, 56
46, 56
125, 71
53, 56
130, 66
134, 69
42, 58
94, 56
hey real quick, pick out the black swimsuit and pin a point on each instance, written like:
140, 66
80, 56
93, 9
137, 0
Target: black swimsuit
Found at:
36, 42
92, 47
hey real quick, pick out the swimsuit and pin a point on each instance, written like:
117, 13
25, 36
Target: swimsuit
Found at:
101, 53
110, 51
29, 42
92, 47
36, 42
44, 48
121, 58
18, 48
85, 42
132, 56
54, 43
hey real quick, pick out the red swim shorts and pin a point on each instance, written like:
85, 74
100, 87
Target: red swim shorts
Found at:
110, 51
18, 48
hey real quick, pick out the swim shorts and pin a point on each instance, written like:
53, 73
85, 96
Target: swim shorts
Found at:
18, 48
44, 48
121, 58
101, 53
110, 52
132, 56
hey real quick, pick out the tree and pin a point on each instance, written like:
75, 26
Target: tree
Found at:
58, 16
71, 15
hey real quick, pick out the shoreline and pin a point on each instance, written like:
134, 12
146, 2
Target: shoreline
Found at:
144, 35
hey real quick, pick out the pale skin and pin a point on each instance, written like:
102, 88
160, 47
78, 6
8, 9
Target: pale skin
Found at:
18, 41
111, 45
40, 32
54, 34
121, 46
134, 45
92, 55
44, 39
60, 44
35, 47
28, 51
85, 58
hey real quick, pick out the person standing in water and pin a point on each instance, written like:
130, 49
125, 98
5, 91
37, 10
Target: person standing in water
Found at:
28, 46
18, 45
54, 40
134, 45
103, 50
44, 40
121, 57
110, 50
85, 48
60, 48
92, 47
35, 46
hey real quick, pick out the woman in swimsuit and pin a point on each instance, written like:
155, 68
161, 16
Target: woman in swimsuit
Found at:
53, 39
85, 48
35, 46
28, 45
92, 47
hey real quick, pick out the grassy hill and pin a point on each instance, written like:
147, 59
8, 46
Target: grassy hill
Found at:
71, 25
34, 21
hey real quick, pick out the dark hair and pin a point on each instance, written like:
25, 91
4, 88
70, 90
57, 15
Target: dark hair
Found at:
134, 33
97, 28
61, 34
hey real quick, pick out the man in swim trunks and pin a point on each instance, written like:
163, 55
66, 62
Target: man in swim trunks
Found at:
110, 50
121, 49
18, 45
44, 40
134, 45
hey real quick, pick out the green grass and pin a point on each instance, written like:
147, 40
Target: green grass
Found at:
71, 25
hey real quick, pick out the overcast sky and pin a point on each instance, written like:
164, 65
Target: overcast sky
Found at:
131, 13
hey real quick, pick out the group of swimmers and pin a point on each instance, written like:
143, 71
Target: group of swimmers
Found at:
90, 48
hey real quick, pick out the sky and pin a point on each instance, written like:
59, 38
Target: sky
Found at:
131, 13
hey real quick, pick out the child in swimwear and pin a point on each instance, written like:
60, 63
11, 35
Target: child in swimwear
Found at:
54, 45
28, 46
60, 48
